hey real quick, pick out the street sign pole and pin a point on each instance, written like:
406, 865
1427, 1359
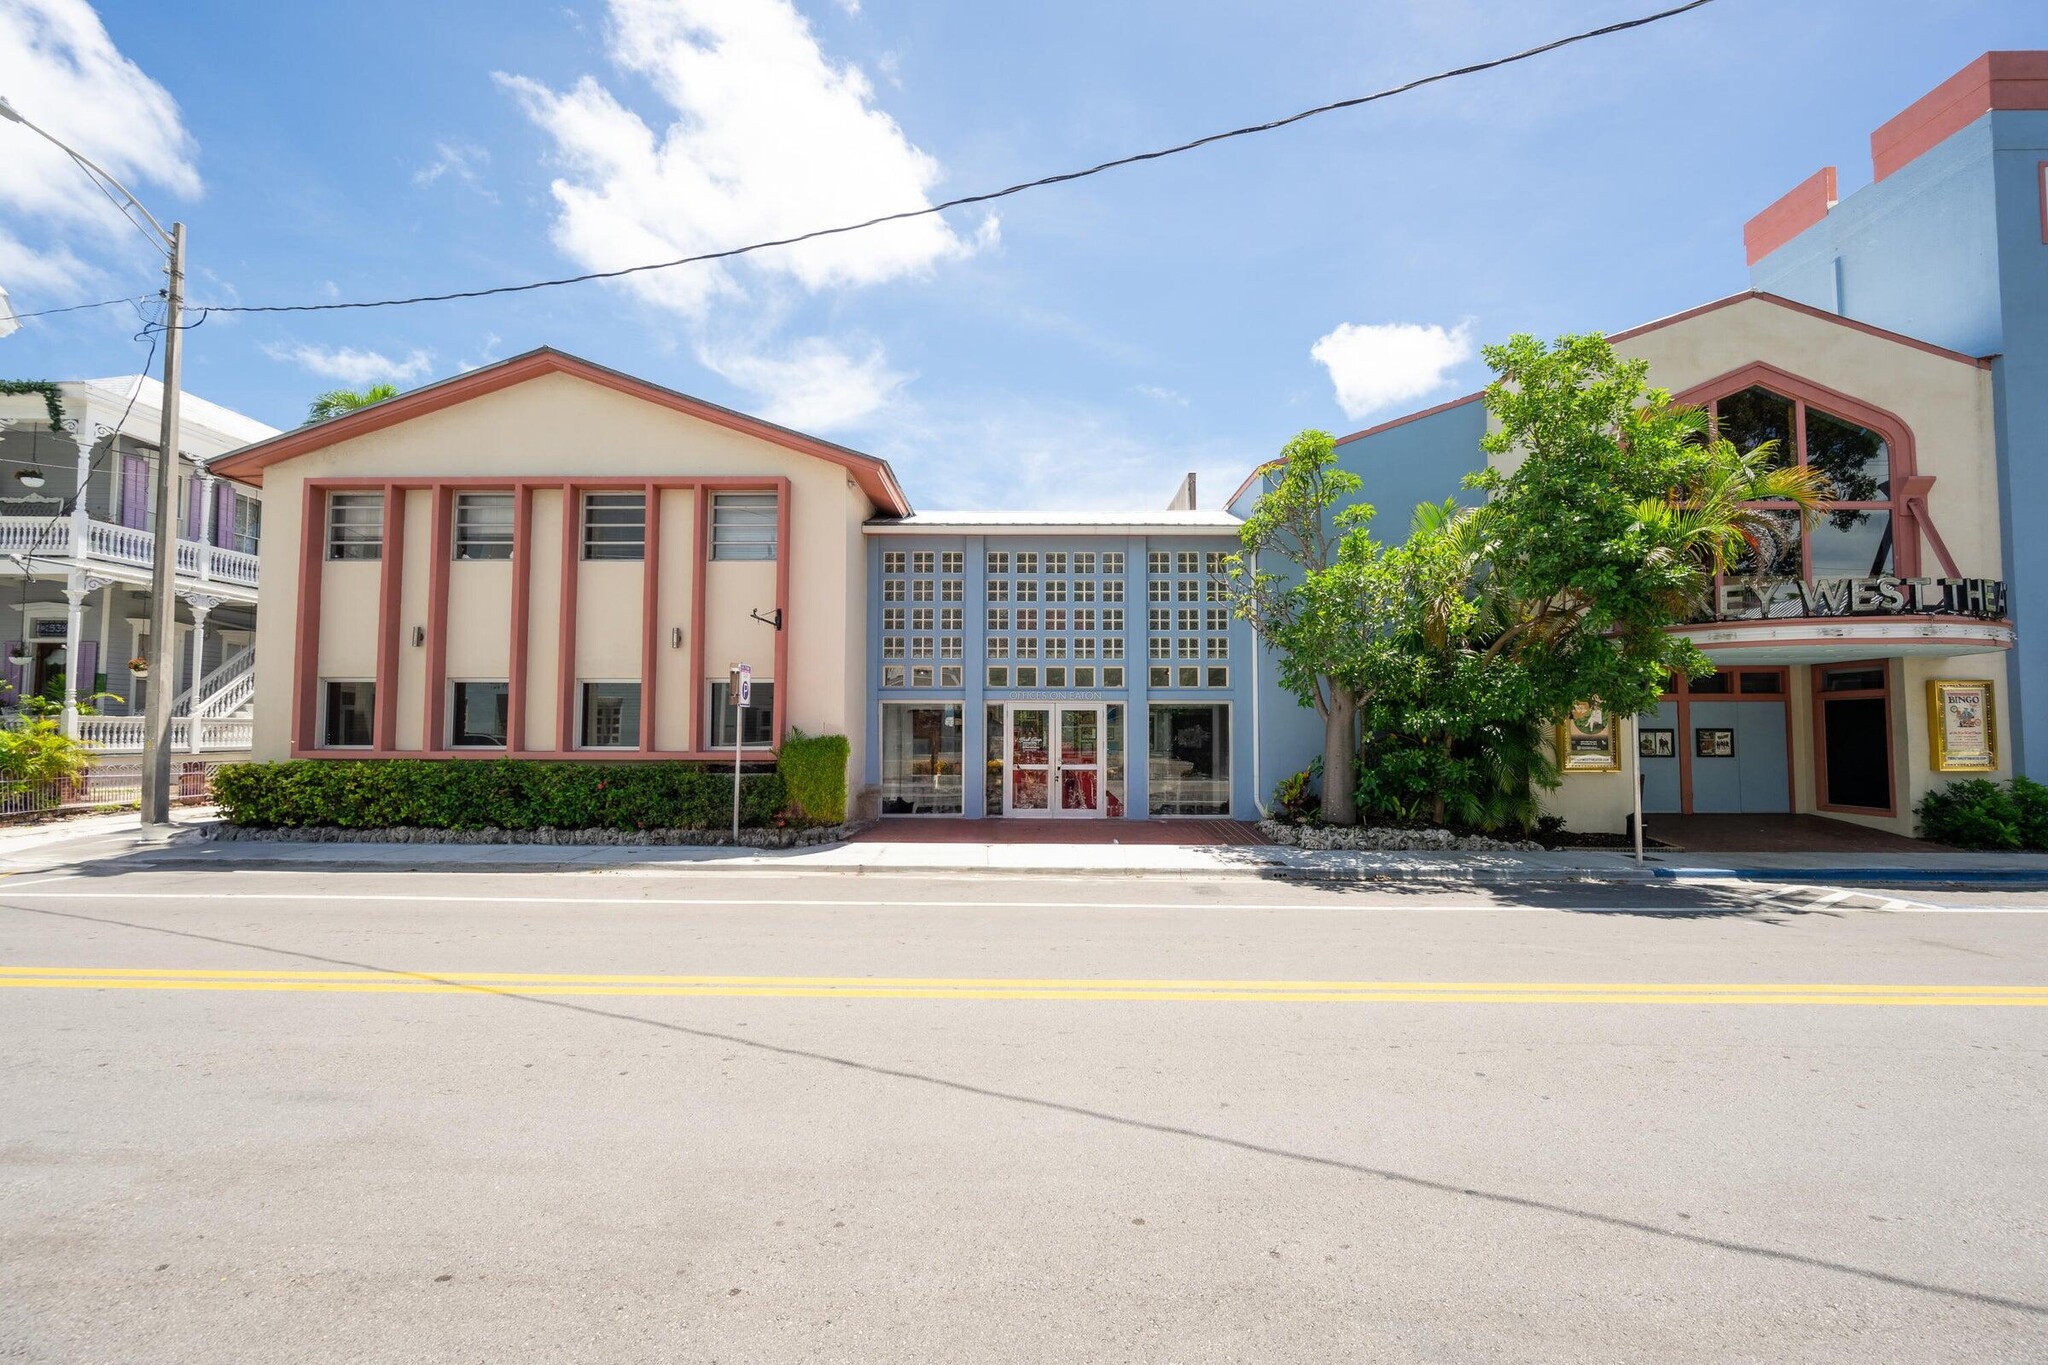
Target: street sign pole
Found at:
740, 685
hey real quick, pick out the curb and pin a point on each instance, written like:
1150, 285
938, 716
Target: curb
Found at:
1831, 875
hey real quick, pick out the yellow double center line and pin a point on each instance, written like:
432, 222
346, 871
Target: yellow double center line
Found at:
1013, 988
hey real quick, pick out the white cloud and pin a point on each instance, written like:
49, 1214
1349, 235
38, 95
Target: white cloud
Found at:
460, 161
761, 136
59, 69
1376, 365
1160, 394
852, 7
352, 365
813, 385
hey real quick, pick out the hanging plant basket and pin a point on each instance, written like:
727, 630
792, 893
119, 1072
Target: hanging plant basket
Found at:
139, 667
17, 657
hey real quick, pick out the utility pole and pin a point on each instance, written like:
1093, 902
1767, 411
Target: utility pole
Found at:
163, 598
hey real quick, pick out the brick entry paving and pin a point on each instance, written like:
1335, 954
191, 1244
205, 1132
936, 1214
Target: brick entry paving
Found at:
1778, 834
919, 829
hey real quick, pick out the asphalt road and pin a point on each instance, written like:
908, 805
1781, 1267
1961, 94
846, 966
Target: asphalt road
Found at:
278, 1116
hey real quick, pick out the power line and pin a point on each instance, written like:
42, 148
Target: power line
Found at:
965, 200
81, 307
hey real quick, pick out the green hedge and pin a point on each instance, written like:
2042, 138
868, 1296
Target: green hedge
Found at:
813, 767
1979, 813
490, 794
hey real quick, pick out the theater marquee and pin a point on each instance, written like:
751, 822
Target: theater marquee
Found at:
1980, 599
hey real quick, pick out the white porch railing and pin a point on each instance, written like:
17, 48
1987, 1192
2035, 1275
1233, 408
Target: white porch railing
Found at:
126, 545
123, 734
235, 674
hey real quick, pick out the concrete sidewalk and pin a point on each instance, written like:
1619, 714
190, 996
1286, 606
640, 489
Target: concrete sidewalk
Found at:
104, 839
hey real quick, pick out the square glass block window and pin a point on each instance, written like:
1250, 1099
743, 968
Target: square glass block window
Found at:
951, 675
920, 646
998, 618
1084, 646
1188, 618
614, 525
1188, 677
921, 675
1112, 646
922, 590
1055, 647
1027, 590
1213, 561
952, 561
892, 618
952, 618
1156, 676
1113, 675
1188, 561
1084, 677
998, 646
1218, 677
483, 525
1216, 618
1027, 675
923, 561
743, 526
1056, 561
350, 708
1113, 619
1112, 590
1218, 647
757, 730
1056, 590
892, 590
1084, 562
1027, 646
1159, 618
920, 618
611, 715
892, 675
1084, 590
998, 561
1187, 590
1055, 618
1027, 561
950, 646
998, 675
1215, 590
1113, 561
1159, 647
892, 646
1027, 618
1055, 675
1159, 590
1158, 562
952, 590
355, 525
1084, 618
893, 561
1187, 647
999, 590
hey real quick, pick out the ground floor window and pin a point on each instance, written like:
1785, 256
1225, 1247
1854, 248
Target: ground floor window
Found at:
922, 752
1189, 760
478, 713
758, 729
349, 710
611, 715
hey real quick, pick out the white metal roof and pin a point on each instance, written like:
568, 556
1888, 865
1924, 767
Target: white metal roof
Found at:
1057, 523
232, 429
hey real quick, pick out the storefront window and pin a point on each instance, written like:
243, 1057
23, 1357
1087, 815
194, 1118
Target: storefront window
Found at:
992, 783
1113, 760
921, 759
1189, 760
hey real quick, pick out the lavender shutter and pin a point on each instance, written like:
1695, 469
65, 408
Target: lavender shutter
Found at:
195, 508
13, 672
134, 491
88, 667
224, 515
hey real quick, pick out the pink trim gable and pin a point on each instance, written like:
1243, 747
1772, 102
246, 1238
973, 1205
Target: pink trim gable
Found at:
1793, 305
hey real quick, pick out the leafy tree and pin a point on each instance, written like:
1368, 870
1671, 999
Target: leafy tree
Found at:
336, 402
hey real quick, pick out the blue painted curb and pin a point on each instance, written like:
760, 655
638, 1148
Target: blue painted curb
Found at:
1857, 874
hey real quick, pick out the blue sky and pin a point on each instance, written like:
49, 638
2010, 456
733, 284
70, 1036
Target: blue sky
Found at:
1080, 346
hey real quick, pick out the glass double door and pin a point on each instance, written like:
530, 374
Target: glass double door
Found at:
1055, 761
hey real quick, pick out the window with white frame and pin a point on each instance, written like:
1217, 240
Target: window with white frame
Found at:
1113, 561
743, 525
355, 525
478, 714
349, 713
614, 525
483, 525
892, 561
611, 715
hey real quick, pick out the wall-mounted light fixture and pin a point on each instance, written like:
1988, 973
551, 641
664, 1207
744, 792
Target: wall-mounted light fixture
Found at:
675, 637
774, 620
419, 636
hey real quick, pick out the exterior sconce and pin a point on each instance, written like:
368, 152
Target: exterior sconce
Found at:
675, 637
419, 636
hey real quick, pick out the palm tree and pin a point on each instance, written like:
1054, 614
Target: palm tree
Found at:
336, 402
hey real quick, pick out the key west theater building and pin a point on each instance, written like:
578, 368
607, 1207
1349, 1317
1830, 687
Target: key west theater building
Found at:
546, 558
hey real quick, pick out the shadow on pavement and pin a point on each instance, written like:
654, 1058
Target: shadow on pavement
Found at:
1401, 1178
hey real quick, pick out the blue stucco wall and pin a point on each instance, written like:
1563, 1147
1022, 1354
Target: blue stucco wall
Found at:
1401, 467
1948, 249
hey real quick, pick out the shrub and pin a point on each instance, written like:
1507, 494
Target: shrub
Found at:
1295, 799
2030, 802
35, 751
1974, 813
813, 769
489, 794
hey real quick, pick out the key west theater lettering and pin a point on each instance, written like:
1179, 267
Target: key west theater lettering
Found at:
1980, 599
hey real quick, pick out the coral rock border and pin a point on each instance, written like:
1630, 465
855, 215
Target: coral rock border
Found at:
1376, 840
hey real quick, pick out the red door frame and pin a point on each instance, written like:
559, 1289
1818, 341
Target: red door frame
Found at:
1820, 735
